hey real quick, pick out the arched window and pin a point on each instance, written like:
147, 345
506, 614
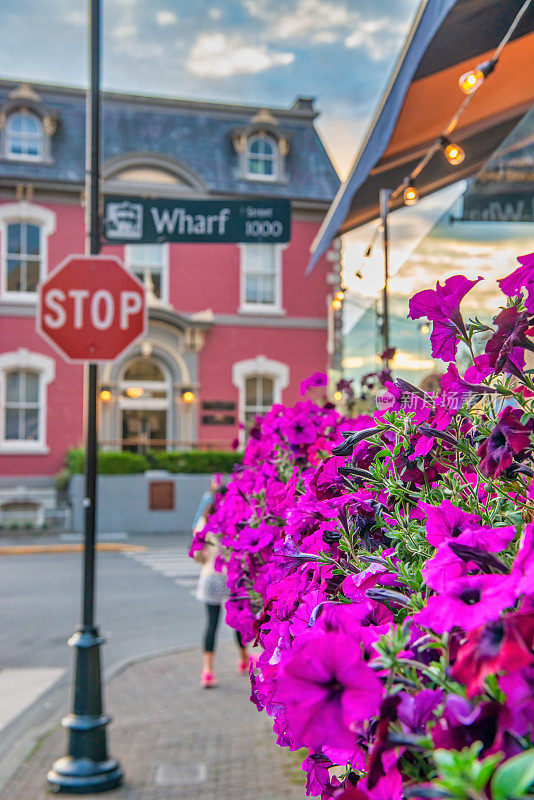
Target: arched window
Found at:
260, 382
262, 158
24, 137
145, 404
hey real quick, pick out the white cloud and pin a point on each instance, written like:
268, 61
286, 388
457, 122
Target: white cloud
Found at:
215, 13
327, 21
215, 55
164, 18
311, 19
124, 32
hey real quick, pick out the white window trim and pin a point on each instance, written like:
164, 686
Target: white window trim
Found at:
277, 167
33, 214
267, 368
261, 308
45, 366
129, 250
24, 156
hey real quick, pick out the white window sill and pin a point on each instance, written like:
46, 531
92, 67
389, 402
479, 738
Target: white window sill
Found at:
262, 310
23, 449
24, 298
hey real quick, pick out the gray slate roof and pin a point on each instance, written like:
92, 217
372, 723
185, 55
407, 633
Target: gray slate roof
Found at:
197, 134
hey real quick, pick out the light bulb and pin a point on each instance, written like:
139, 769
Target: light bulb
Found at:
188, 397
471, 80
338, 396
410, 194
336, 304
135, 392
105, 395
425, 329
340, 295
454, 153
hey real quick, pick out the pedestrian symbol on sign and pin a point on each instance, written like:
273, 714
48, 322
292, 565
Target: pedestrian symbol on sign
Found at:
124, 220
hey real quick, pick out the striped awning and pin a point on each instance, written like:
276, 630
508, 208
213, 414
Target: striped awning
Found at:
448, 38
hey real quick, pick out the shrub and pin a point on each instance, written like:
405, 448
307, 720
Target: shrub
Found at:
195, 461
125, 463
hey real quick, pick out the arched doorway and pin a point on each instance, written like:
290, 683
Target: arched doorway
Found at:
145, 405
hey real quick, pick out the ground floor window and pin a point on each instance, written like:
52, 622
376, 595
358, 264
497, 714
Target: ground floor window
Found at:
259, 397
260, 382
24, 377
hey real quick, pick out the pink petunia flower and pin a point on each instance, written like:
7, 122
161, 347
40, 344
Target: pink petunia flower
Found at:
442, 306
467, 603
328, 690
521, 278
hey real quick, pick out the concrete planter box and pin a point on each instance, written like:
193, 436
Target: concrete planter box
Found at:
132, 503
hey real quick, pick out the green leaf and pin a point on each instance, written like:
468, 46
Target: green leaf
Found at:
514, 778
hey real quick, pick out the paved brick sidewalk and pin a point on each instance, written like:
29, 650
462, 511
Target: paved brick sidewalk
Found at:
176, 741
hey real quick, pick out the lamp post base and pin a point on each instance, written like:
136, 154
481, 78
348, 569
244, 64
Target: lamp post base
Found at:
87, 767
84, 776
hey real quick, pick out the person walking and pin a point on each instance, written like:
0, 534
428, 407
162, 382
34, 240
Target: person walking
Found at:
212, 591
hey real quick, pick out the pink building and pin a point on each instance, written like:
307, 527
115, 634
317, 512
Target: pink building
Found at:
232, 328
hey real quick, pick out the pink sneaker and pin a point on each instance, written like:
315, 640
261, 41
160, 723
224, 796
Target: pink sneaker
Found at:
242, 666
207, 680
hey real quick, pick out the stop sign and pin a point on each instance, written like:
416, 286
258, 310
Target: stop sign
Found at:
91, 308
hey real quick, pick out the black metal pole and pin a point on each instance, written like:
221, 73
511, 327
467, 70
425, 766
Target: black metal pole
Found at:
384, 210
87, 767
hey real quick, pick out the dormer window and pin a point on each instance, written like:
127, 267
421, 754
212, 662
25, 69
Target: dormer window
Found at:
262, 158
262, 147
24, 137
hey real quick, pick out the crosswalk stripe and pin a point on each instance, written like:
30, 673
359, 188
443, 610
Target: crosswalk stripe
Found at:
171, 562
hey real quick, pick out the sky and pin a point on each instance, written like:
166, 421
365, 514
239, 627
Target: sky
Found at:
264, 52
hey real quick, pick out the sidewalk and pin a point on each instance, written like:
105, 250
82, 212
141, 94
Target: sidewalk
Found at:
176, 741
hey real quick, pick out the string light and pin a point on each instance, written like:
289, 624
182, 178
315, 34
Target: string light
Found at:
469, 82
188, 396
410, 194
338, 396
336, 304
452, 151
454, 154
340, 295
105, 395
473, 78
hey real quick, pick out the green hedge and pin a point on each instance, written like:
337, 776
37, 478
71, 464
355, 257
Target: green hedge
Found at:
125, 463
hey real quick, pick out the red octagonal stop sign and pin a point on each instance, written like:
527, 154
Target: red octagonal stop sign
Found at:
91, 308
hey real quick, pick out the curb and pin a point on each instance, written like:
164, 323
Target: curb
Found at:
31, 549
23, 747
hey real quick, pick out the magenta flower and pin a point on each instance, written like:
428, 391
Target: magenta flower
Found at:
518, 687
467, 602
464, 723
508, 439
457, 390
298, 430
522, 278
442, 306
505, 644
505, 348
446, 522
315, 380
328, 691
